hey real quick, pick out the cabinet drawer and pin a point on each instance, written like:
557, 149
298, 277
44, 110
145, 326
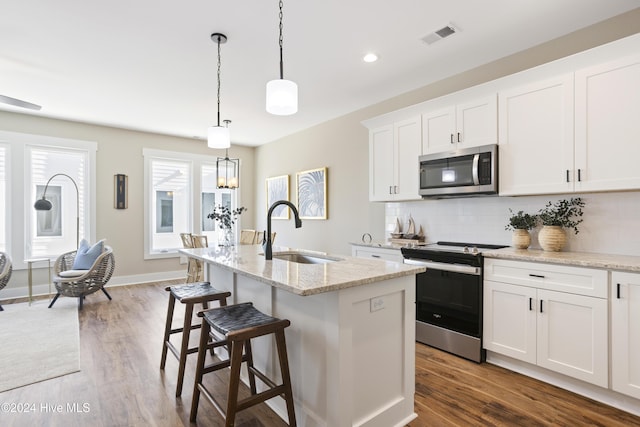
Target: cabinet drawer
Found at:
378, 253
575, 280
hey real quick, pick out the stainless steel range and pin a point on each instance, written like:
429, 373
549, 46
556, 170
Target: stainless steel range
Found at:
449, 296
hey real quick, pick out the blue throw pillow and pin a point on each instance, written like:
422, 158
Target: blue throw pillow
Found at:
86, 255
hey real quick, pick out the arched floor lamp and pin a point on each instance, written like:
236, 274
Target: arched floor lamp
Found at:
45, 205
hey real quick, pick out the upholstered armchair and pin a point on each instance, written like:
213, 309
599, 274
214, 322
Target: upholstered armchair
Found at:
80, 283
5, 271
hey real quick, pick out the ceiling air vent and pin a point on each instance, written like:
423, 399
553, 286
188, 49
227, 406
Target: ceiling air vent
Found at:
443, 32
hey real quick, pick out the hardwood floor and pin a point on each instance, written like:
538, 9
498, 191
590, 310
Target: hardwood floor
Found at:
121, 384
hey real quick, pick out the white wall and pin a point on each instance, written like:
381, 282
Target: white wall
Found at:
342, 145
611, 220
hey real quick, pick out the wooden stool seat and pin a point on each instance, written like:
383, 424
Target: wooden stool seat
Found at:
238, 324
189, 294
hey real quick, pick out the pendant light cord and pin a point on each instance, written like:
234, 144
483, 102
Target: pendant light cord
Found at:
280, 42
219, 37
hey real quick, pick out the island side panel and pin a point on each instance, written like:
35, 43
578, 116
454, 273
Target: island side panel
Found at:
380, 363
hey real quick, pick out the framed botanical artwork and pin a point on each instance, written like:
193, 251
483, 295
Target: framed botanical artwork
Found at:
312, 193
278, 189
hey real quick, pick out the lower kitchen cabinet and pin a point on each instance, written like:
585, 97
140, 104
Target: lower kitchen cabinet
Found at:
560, 331
625, 333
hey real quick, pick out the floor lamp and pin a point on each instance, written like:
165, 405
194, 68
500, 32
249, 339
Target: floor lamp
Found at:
45, 205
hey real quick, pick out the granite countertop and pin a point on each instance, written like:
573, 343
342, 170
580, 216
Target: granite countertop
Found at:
302, 279
582, 259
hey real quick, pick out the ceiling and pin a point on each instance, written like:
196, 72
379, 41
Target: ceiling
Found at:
150, 65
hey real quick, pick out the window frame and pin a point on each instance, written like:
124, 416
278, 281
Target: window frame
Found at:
19, 210
195, 214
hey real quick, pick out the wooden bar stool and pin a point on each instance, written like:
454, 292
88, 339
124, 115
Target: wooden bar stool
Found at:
238, 324
189, 294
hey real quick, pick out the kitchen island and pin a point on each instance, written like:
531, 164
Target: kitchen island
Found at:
351, 343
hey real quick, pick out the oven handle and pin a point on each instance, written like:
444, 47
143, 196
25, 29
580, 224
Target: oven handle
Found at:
456, 268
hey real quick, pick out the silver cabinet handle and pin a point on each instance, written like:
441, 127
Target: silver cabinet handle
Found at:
452, 138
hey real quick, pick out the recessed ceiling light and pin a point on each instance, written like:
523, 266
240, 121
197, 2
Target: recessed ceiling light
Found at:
370, 57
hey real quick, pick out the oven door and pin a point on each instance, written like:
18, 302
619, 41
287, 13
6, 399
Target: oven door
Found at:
449, 296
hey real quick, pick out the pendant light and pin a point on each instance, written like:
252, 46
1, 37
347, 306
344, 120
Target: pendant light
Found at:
218, 136
227, 170
282, 95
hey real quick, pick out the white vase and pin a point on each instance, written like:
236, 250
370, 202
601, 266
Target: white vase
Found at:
552, 238
520, 239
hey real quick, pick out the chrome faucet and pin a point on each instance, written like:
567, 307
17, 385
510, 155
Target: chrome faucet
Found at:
268, 252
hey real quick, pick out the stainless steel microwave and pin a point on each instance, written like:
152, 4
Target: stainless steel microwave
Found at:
467, 172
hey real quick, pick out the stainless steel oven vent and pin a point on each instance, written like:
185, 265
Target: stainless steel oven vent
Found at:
437, 35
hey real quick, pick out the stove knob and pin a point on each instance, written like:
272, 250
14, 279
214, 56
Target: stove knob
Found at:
474, 250
465, 250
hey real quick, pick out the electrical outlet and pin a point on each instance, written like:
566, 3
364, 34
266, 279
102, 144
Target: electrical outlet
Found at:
376, 304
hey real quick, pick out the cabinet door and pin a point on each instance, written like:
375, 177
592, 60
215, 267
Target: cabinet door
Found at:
407, 134
381, 163
625, 333
536, 137
477, 122
572, 336
509, 325
438, 130
607, 126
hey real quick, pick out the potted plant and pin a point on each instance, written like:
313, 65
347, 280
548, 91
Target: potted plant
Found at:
226, 217
555, 218
521, 222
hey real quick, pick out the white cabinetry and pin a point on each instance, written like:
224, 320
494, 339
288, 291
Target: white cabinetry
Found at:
388, 254
552, 316
571, 133
468, 124
607, 128
536, 137
393, 161
625, 333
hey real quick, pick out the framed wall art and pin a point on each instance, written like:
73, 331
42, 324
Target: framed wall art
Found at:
312, 193
278, 189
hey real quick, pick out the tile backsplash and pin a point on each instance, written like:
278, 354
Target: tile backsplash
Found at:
611, 220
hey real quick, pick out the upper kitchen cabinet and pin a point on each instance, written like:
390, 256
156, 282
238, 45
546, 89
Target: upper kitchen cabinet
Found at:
607, 126
536, 137
463, 125
393, 161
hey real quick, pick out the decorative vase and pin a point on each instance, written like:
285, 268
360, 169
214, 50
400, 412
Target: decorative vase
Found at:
226, 237
552, 238
520, 239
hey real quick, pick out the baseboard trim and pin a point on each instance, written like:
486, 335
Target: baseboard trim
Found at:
134, 279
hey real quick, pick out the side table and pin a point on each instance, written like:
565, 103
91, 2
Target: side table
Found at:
30, 263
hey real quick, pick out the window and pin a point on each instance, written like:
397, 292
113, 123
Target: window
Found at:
180, 191
57, 230
4, 198
27, 164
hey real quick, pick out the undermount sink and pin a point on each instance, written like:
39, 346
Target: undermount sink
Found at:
304, 258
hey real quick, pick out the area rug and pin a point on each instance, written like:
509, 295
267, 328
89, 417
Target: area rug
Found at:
38, 343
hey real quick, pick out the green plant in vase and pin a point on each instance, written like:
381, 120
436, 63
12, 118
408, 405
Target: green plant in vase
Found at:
555, 217
226, 218
520, 223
